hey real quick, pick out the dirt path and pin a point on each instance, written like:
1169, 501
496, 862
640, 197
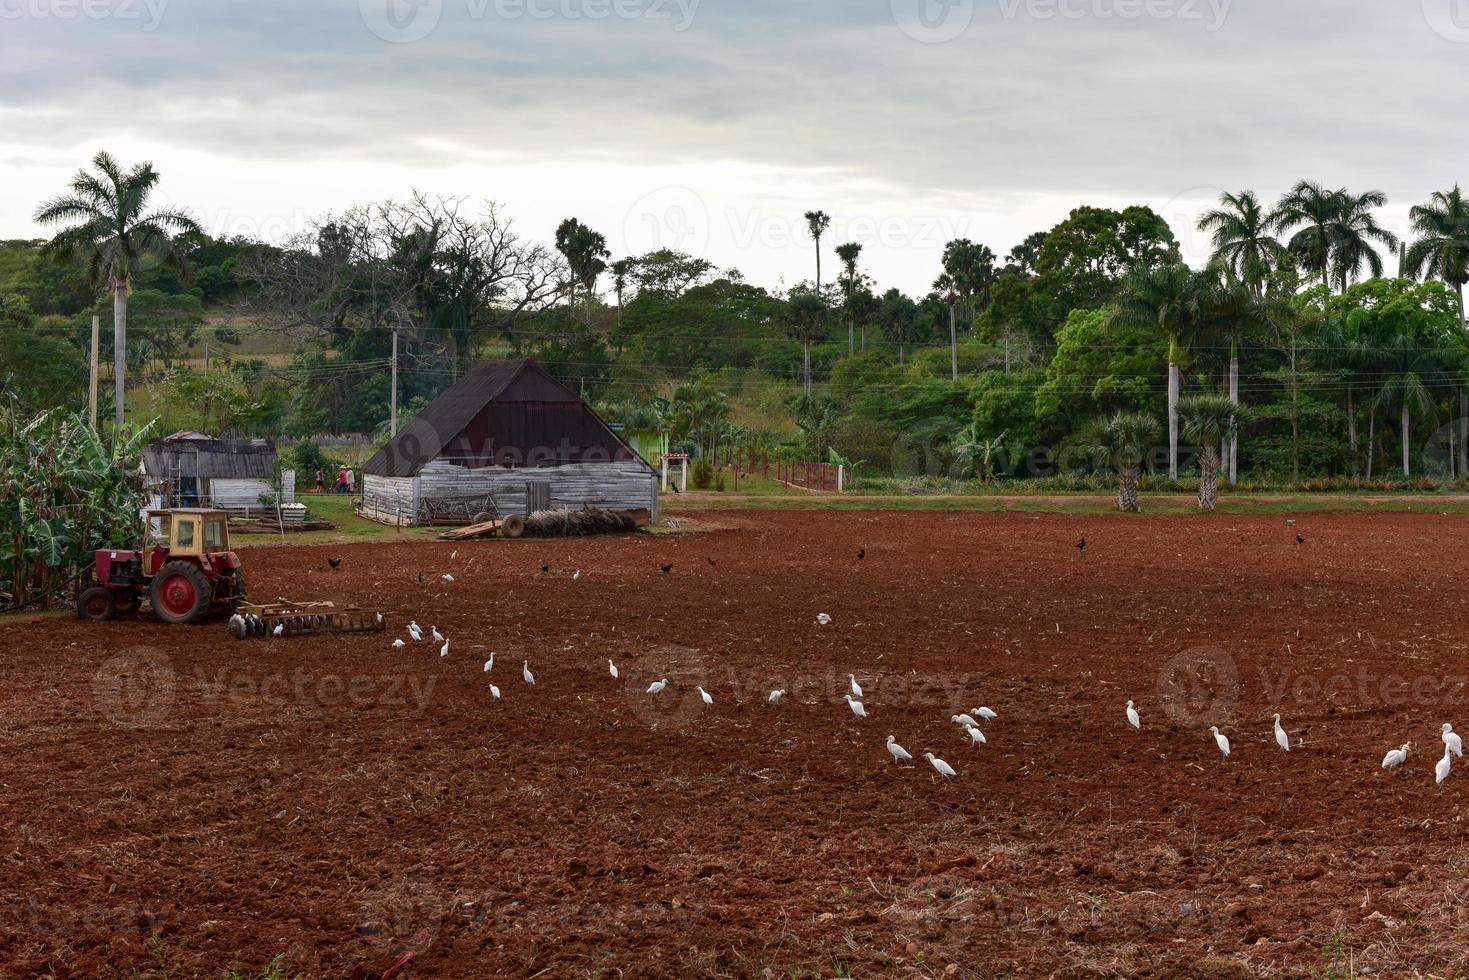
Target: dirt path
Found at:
174, 797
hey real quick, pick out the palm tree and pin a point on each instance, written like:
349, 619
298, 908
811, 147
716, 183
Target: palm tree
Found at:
1232, 309
898, 316
971, 269
586, 255
1025, 255
865, 308
1315, 207
807, 325
621, 269
849, 254
1206, 420
944, 286
1243, 243
1125, 439
109, 227
1407, 374
1353, 233
817, 222
1442, 248
1169, 298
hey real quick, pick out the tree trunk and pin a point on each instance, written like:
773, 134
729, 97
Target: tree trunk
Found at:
1209, 477
1173, 382
953, 345
1406, 474
851, 336
1463, 433
1233, 400
1352, 431
119, 343
1127, 498
807, 346
1371, 440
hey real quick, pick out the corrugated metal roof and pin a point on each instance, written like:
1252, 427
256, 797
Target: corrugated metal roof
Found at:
444, 420
210, 458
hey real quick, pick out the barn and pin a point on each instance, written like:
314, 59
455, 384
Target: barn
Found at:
192, 469
507, 438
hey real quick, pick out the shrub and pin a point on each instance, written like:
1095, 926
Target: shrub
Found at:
702, 475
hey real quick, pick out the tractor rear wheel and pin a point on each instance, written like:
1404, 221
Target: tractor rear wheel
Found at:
97, 605
180, 593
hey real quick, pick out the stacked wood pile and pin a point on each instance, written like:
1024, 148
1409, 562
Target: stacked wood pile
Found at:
578, 523
269, 525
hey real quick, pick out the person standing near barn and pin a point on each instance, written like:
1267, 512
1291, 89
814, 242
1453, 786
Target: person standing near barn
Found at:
342, 480
351, 481
320, 480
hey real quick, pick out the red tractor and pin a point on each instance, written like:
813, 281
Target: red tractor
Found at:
186, 570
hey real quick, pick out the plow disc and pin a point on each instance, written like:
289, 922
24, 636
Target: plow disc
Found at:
303, 619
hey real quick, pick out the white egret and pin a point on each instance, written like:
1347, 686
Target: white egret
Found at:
525, 672
576, 575
1452, 741
415, 632
984, 713
1281, 738
444, 650
1220, 740
775, 696
708, 698
976, 737
1396, 757
945, 770
1132, 717
964, 720
1441, 771
895, 750
856, 688
434, 632
657, 686
856, 706
280, 630
490, 664
495, 691
448, 577
398, 644
612, 669
823, 619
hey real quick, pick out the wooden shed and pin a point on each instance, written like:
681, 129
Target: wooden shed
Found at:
507, 438
192, 469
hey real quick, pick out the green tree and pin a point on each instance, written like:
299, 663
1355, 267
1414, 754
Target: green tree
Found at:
1171, 299
107, 226
1441, 249
1243, 243
898, 317
849, 253
1207, 419
1102, 367
1125, 439
808, 324
816, 223
586, 255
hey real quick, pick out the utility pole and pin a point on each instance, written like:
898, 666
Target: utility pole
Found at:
393, 423
120, 341
92, 388
206, 357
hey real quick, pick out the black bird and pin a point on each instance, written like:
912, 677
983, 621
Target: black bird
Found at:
545, 569
712, 561
861, 553
1081, 545
665, 569
334, 562
420, 580
674, 488
1300, 540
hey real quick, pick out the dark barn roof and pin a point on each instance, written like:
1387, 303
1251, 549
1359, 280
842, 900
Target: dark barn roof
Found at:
250, 459
503, 413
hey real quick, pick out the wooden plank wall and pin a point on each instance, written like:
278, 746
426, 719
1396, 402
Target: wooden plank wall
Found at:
615, 486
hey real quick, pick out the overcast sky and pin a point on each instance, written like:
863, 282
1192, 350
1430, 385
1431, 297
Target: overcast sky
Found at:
711, 125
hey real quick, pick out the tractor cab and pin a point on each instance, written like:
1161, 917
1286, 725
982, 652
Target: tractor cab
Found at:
183, 565
184, 533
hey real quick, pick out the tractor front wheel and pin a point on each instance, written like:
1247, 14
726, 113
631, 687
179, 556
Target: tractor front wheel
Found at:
180, 593
97, 605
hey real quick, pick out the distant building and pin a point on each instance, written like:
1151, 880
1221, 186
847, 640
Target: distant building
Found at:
192, 469
507, 438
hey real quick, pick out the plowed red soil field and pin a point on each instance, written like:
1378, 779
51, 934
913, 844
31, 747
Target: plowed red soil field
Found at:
177, 804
